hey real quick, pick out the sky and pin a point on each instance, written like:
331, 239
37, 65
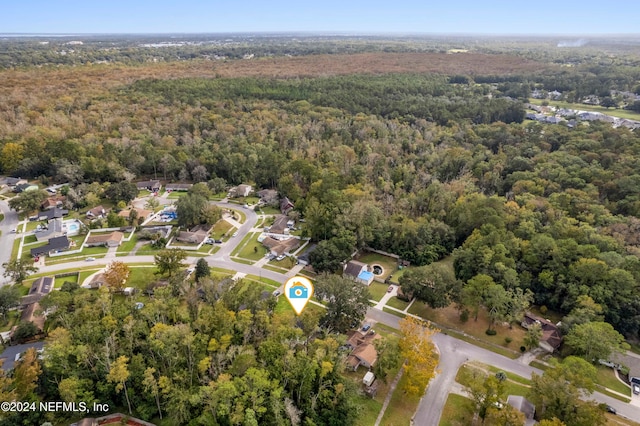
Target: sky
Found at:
340, 16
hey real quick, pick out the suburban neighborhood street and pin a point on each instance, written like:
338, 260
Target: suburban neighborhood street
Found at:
453, 352
6, 239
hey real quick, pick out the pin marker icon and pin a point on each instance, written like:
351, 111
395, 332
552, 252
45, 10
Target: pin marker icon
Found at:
298, 291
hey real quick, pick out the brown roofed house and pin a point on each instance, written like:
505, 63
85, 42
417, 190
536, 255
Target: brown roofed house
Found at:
111, 239
97, 212
142, 213
364, 352
280, 247
551, 338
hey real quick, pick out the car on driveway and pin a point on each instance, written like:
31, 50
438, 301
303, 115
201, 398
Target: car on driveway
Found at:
636, 389
235, 234
390, 289
276, 293
366, 327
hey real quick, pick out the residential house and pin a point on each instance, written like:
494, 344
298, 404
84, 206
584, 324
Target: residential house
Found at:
268, 197
196, 237
52, 202
54, 245
280, 247
97, 212
142, 213
53, 229
279, 229
54, 213
353, 269
286, 206
32, 313
363, 352
170, 187
240, 191
96, 282
525, 406
40, 288
111, 239
13, 181
23, 187
303, 258
149, 185
551, 338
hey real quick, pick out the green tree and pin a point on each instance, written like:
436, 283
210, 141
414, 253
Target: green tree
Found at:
434, 284
115, 221
9, 299
121, 191
348, 301
152, 203
202, 269
595, 341
388, 358
474, 291
190, 209
25, 375
169, 260
28, 201
486, 392
115, 275
558, 392
532, 336
19, 269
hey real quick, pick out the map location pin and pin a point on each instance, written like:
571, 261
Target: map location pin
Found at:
298, 291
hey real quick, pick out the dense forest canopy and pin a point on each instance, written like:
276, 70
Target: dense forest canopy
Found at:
425, 161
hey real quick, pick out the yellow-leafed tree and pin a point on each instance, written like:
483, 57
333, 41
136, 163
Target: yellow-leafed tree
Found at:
418, 351
116, 275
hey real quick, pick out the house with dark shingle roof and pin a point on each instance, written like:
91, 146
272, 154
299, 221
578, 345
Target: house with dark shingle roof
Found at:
149, 185
111, 239
54, 245
551, 337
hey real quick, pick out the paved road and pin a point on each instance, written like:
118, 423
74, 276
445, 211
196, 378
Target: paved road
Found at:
453, 352
6, 239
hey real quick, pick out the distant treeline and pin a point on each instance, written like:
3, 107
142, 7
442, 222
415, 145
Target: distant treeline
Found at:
407, 97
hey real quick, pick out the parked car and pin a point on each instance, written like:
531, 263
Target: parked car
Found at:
13, 231
208, 241
217, 241
636, 389
90, 259
235, 234
366, 327
611, 410
390, 289
281, 257
36, 259
276, 293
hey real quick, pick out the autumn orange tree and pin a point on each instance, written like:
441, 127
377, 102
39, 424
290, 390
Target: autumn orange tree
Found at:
116, 275
417, 349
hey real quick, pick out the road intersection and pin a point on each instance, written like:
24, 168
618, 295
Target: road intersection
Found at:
453, 352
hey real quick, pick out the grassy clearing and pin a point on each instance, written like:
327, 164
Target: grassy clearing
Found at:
286, 263
141, 277
458, 410
269, 210
30, 239
272, 283
15, 248
517, 386
275, 269
401, 408
238, 216
449, 318
539, 365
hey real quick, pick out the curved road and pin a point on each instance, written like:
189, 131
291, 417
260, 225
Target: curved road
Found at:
453, 352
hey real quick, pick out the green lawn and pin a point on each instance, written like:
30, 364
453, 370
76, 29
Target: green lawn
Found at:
389, 264
61, 280
607, 378
458, 410
394, 302
177, 194
392, 312
240, 217
401, 408
127, 246
286, 263
15, 248
269, 210
220, 228
30, 239
12, 319
377, 290
514, 385
147, 250
140, 277
252, 249
622, 113
240, 246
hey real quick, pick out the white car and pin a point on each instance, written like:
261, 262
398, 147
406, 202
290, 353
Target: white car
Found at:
235, 234
90, 259
281, 257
